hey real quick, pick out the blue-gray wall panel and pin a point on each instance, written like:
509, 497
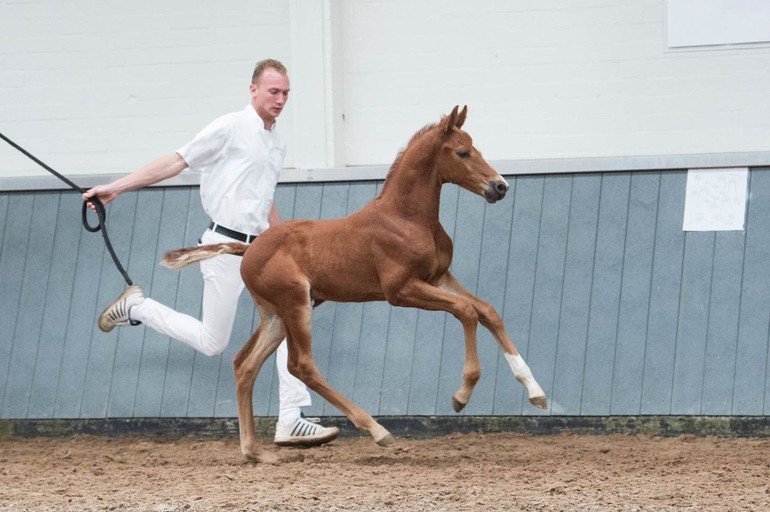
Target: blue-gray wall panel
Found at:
128, 342
752, 351
81, 327
522, 264
615, 308
189, 293
605, 294
693, 322
722, 338
371, 356
398, 361
465, 267
658, 364
633, 314
161, 284
578, 279
37, 263
492, 271
549, 279
13, 256
103, 347
56, 319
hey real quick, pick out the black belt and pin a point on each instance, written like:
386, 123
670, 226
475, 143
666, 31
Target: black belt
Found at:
237, 235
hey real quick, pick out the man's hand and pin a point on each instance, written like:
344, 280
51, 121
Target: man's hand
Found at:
103, 193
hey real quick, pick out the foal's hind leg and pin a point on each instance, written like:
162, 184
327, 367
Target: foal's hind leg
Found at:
247, 365
302, 365
492, 321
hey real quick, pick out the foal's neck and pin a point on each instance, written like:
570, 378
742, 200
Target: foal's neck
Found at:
413, 188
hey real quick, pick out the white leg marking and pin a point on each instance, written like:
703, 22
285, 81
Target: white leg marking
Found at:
524, 375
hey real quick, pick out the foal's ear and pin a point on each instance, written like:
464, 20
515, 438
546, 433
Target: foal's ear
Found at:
461, 117
450, 121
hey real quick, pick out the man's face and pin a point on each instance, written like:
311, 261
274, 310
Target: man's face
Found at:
269, 95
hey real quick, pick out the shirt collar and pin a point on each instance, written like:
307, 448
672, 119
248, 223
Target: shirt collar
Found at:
258, 120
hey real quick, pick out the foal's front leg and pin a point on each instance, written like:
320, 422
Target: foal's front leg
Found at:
419, 294
492, 321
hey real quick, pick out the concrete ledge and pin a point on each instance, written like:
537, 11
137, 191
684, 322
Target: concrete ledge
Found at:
753, 159
406, 426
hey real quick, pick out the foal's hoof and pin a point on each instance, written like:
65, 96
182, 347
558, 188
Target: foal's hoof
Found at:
261, 457
539, 401
266, 457
386, 441
457, 405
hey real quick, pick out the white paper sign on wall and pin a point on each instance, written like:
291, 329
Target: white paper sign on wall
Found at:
716, 199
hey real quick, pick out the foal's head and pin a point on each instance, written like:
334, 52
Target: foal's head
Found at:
459, 162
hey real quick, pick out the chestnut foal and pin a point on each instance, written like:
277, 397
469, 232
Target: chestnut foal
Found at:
393, 249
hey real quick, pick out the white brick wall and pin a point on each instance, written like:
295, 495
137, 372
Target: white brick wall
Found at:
103, 87
546, 79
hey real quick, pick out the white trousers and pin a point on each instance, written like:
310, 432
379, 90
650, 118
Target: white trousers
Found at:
222, 287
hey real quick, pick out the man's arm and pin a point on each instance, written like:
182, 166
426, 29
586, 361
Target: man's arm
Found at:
158, 170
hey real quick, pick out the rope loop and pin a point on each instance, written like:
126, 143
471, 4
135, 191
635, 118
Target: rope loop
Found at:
98, 206
100, 214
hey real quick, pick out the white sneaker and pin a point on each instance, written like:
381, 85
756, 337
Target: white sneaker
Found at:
116, 313
304, 432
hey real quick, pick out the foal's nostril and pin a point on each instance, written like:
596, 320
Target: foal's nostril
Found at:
495, 190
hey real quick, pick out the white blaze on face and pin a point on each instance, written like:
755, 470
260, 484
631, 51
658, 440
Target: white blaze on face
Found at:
524, 375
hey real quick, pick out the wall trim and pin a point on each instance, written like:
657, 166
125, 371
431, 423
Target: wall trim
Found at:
405, 426
378, 172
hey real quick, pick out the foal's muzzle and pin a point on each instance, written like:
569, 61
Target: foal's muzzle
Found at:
495, 190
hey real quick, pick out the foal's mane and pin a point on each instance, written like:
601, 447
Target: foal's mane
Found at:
397, 162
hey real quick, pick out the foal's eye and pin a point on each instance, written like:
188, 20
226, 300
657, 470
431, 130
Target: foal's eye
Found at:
463, 154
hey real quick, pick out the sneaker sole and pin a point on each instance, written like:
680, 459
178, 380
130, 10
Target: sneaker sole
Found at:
104, 324
308, 441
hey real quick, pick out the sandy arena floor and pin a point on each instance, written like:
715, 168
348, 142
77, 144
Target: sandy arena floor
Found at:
457, 472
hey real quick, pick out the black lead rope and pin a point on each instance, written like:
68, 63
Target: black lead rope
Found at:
100, 213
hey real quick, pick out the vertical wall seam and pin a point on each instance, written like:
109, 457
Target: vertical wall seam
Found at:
708, 321
45, 303
591, 292
620, 294
649, 294
561, 293
16, 319
534, 283
67, 323
747, 233
678, 324
91, 336
512, 193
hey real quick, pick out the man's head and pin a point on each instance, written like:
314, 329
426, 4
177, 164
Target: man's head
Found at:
269, 90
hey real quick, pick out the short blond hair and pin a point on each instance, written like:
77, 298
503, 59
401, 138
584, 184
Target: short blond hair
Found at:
262, 65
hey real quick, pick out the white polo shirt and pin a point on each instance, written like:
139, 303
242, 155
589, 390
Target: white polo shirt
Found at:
239, 162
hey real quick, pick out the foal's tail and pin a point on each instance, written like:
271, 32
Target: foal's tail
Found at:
179, 258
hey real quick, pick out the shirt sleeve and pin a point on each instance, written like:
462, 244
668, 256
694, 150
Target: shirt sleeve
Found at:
208, 145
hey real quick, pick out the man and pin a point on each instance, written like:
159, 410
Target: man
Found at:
239, 156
